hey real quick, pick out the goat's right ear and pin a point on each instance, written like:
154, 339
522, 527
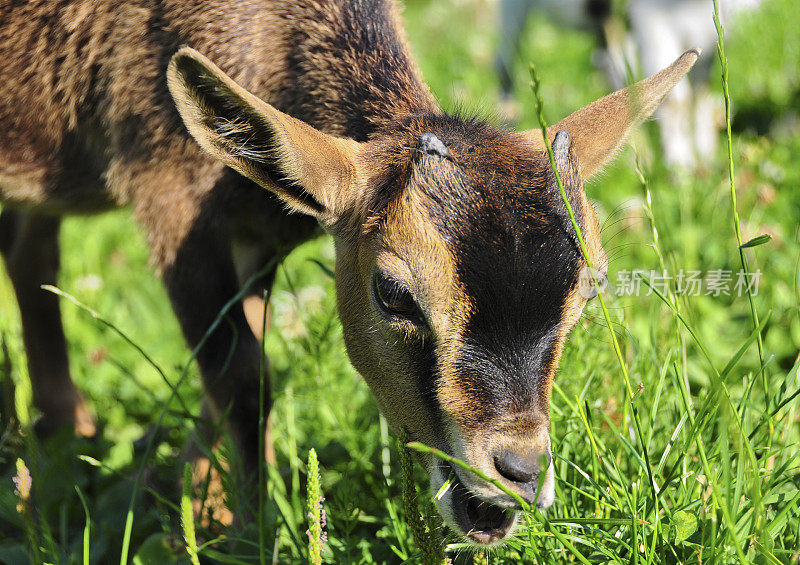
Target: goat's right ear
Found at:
599, 129
312, 172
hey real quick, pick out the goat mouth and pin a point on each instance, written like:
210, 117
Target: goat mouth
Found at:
481, 522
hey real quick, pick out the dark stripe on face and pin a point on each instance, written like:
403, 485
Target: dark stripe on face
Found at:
499, 209
518, 286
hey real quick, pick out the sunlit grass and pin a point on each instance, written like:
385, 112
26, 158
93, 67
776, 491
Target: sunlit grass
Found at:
708, 470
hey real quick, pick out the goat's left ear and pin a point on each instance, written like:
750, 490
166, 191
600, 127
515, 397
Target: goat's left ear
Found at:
599, 129
312, 172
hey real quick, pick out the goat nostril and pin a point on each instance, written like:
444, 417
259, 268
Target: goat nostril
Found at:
515, 467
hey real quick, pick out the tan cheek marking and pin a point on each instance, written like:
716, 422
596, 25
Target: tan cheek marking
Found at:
453, 395
413, 236
573, 306
408, 246
383, 363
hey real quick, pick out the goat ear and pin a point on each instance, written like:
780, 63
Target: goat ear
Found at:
312, 172
599, 129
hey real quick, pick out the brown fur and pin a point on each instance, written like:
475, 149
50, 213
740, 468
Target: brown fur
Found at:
88, 124
319, 102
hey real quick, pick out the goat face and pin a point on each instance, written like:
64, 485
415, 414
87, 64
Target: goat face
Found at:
456, 296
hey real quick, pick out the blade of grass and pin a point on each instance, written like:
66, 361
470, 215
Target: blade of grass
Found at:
721, 386
262, 426
125, 337
618, 352
187, 516
737, 227
87, 527
783, 403
285, 510
709, 476
152, 492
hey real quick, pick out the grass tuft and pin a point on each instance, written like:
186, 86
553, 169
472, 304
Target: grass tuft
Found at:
317, 520
187, 515
424, 532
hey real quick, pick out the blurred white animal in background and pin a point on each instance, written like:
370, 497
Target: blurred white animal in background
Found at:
689, 119
589, 15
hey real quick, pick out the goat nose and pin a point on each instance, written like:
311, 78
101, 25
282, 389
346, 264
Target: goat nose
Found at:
517, 467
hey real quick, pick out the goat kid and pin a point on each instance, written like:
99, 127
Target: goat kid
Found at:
457, 268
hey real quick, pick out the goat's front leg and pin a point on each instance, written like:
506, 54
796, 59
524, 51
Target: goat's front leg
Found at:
201, 279
259, 316
29, 243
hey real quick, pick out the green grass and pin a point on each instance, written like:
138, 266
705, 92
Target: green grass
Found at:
698, 461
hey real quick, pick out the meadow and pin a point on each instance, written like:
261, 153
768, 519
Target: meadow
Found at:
675, 416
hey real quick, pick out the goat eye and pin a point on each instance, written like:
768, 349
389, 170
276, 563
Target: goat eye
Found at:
395, 299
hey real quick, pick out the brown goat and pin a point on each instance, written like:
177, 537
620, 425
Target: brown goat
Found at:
456, 268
